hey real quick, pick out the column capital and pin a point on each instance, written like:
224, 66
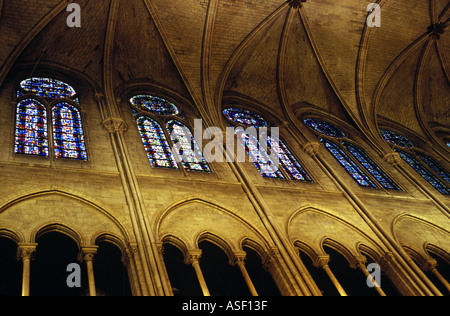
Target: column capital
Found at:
99, 96
26, 251
429, 265
322, 261
358, 261
272, 256
312, 148
193, 256
240, 257
88, 253
115, 124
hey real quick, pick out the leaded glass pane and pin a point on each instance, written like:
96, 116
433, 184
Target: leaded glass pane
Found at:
396, 139
288, 161
344, 160
258, 155
371, 167
187, 149
48, 88
68, 133
155, 143
31, 128
435, 166
427, 175
325, 128
154, 105
245, 118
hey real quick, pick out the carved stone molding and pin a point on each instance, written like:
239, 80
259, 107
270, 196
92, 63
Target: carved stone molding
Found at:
114, 124
312, 148
296, 3
437, 29
393, 158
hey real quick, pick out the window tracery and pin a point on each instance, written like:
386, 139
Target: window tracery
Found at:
352, 158
33, 124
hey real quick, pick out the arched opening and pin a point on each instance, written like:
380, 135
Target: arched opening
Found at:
222, 278
352, 280
54, 253
111, 275
443, 268
386, 283
262, 280
10, 269
182, 276
319, 276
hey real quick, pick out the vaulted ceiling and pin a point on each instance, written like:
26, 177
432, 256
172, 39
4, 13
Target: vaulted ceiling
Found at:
283, 55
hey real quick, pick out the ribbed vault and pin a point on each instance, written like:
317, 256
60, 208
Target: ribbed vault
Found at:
277, 54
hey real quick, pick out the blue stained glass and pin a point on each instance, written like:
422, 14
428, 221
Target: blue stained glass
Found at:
245, 118
396, 139
325, 128
31, 128
155, 143
48, 88
371, 167
427, 175
154, 105
68, 133
258, 155
288, 161
353, 170
435, 166
188, 151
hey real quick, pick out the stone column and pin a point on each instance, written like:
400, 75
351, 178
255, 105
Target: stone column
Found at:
240, 258
361, 265
193, 258
25, 253
88, 256
430, 265
322, 262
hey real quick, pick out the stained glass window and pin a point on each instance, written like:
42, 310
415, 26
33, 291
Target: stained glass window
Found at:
31, 128
189, 153
155, 143
396, 139
259, 156
345, 161
154, 105
371, 167
424, 172
245, 118
48, 88
68, 134
435, 166
290, 165
324, 128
